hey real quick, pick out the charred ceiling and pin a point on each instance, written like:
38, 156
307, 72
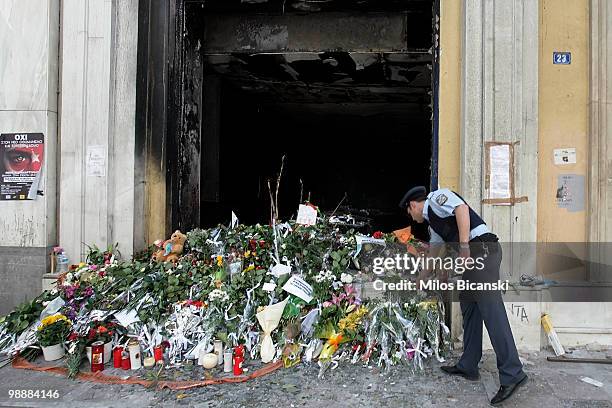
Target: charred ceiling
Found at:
314, 6
326, 77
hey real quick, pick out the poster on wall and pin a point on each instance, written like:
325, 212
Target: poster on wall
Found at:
21, 159
570, 192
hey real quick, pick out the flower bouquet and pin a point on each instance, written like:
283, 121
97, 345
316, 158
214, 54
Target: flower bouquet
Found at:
51, 334
100, 331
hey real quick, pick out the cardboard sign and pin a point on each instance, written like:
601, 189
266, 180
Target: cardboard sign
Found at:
280, 270
299, 287
307, 215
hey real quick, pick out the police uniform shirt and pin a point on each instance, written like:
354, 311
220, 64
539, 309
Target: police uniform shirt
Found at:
443, 202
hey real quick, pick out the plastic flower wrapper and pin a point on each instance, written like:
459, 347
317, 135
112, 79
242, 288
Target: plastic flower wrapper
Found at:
431, 318
269, 318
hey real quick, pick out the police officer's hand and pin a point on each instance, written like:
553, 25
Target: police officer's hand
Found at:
464, 250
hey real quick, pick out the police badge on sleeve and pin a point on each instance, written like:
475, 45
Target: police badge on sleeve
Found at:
441, 199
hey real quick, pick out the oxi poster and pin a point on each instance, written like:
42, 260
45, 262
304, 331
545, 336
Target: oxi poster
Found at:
21, 156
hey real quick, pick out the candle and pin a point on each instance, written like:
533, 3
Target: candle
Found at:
201, 356
134, 348
117, 356
149, 362
219, 351
227, 361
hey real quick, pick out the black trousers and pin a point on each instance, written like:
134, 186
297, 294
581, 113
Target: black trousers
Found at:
477, 308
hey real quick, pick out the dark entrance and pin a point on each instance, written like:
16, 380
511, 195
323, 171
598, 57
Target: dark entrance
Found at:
342, 89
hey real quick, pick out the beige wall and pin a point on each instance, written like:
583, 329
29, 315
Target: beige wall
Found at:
563, 104
450, 94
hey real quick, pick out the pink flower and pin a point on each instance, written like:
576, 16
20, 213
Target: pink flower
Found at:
93, 267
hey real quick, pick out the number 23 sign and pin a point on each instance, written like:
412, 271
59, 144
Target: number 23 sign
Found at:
562, 58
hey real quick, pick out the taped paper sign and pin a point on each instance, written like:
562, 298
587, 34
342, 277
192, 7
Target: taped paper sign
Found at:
499, 165
96, 161
299, 287
565, 156
280, 270
307, 215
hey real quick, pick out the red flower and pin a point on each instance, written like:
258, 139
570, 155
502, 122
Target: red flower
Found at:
91, 334
73, 336
377, 235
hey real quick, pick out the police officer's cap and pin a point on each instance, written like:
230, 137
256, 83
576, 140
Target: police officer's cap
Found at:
413, 193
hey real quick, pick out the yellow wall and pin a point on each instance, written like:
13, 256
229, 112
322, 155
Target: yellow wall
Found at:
450, 94
563, 115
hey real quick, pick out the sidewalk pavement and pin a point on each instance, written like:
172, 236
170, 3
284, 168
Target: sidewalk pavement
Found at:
550, 384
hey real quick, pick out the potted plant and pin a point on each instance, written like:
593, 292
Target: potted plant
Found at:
51, 334
100, 331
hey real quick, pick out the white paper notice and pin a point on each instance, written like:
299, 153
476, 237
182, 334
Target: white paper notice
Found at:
269, 286
499, 165
280, 270
299, 287
565, 156
127, 317
306, 215
96, 161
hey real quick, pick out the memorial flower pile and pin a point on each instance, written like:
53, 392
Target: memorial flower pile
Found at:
284, 291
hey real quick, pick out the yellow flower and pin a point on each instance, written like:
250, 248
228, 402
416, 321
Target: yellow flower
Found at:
49, 320
249, 268
219, 260
353, 319
247, 254
82, 264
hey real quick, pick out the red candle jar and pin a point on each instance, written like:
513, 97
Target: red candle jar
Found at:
158, 353
238, 359
97, 356
125, 361
117, 352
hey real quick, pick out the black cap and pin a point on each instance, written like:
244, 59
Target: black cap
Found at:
414, 192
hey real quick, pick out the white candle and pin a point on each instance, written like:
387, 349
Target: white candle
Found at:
149, 362
219, 351
134, 348
227, 359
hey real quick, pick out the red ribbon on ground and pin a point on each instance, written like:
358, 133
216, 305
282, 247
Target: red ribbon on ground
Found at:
99, 377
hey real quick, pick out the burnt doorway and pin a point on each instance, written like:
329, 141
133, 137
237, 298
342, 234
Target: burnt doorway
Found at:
345, 90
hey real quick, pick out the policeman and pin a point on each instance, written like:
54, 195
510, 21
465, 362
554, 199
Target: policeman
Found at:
451, 220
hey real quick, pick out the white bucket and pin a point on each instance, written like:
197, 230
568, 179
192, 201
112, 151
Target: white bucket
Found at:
54, 352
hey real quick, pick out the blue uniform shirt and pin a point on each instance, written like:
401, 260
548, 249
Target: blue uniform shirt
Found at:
443, 202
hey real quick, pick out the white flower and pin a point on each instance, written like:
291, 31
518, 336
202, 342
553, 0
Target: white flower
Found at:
346, 278
69, 277
284, 246
142, 269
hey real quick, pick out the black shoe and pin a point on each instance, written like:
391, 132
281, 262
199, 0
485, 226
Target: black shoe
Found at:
453, 370
506, 391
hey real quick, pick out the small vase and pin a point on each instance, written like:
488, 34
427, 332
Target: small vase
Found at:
108, 352
54, 352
